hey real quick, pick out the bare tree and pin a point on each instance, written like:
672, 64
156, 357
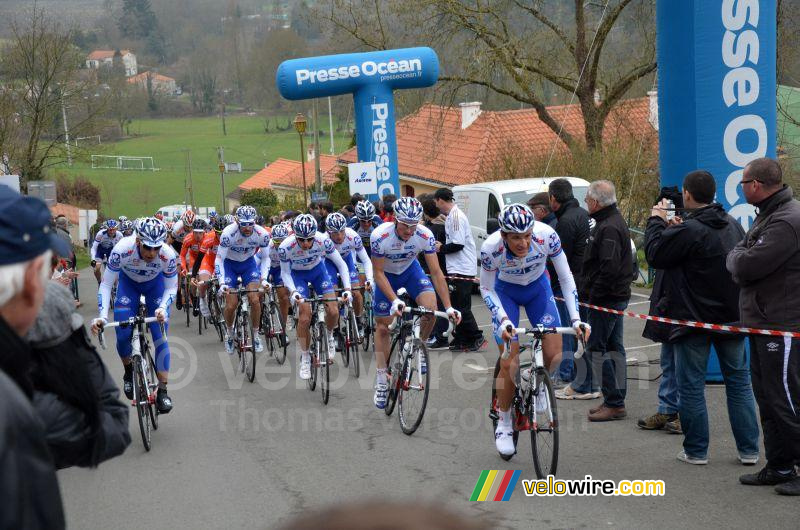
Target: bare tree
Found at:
521, 49
43, 68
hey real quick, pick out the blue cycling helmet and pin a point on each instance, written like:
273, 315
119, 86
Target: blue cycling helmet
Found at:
516, 218
152, 232
408, 210
212, 214
246, 215
305, 226
229, 219
365, 211
122, 219
335, 222
280, 231
110, 223
125, 226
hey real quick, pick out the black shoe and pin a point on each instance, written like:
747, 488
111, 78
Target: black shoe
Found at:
163, 401
438, 344
127, 384
789, 488
455, 346
767, 477
179, 303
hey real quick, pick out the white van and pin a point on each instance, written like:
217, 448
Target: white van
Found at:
483, 201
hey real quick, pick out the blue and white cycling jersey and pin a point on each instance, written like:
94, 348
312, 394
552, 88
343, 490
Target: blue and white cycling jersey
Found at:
126, 260
351, 248
396, 253
294, 258
499, 267
236, 247
103, 243
364, 233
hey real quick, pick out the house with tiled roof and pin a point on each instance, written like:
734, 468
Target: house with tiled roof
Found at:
285, 177
446, 146
160, 83
99, 58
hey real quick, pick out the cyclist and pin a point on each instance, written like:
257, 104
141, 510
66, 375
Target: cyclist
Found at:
104, 241
191, 246
145, 267
179, 231
204, 264
122, 219
513, 265
349, 245
126, 227
395, 246
238, 244
279, 233
302, 255
364, 222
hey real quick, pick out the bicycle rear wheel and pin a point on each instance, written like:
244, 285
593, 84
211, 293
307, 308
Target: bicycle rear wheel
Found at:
216, 314
324, 365
544, 426
153, 384
141, 398
393, 369
187, 302
413, 387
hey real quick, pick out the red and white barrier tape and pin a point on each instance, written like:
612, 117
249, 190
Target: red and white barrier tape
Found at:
687, 323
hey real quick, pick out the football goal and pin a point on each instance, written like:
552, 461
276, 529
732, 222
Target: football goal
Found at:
134, 163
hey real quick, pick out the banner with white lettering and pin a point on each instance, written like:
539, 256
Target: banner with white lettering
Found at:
363, 178
716, 92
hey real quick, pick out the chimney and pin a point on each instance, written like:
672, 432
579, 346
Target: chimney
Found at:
653, 118
310, 155
469, 113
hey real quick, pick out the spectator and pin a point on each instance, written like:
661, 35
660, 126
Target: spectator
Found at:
28, 483
605, 281
355, 199
540, 206
434, 220
462, 267
697, 286
572, 227
75, 396
385, 208
325, 209
766, 265
62, 229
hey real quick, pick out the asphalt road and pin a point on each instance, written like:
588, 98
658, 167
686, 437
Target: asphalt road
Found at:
236, 454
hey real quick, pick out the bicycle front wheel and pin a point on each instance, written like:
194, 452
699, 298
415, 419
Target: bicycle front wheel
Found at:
141, 398
413, 387
352, 339
544, 426
152, 384
393, 369
280, 333
324, 365
249, 352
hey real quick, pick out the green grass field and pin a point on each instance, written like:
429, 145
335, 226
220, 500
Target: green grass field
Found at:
136, 193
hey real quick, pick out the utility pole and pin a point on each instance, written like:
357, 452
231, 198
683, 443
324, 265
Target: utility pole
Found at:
66, 127
221, 157
330, 124
317, 175
191, 184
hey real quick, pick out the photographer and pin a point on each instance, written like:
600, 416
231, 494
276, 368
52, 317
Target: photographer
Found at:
691, 254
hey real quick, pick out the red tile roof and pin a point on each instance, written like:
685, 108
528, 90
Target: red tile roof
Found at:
142, 78
67, 210
99, 55
288, 173
432, 145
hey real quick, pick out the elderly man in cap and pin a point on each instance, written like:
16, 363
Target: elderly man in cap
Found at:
28, 484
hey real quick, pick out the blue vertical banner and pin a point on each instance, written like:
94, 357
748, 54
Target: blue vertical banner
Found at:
371, 77
716, 92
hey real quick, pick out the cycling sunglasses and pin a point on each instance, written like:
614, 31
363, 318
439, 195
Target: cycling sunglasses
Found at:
148, 247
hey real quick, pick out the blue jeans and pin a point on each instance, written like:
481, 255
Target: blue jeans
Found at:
605, 354
668, 398
691, 356
566, 370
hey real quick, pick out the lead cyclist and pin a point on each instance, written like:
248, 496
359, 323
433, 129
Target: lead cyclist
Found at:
513, 265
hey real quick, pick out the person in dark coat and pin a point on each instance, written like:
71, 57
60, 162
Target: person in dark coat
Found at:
434, 220
766, 265
605, 281
691, 253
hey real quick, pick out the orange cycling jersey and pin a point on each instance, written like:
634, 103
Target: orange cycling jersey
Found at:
209, 248
192, 247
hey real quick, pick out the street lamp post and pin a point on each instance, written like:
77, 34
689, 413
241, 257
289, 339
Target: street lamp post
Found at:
300, 127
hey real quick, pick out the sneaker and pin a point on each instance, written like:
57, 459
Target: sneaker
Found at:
258, 344
570, 393
179, 302
791, 487
674, 426
381, 395
305, 367
229, 343
656, 422
683, 457
748, 460
195, 310
127, 384
504, 439
437, 344
455, 346
767, 477
558, 383
163, 401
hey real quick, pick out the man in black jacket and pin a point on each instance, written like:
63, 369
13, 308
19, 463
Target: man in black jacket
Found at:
572, 227
691, 253
766, 265
434, 221
606, 282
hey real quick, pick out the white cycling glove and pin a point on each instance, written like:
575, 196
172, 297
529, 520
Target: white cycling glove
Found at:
453, 313
397, 306
297, 297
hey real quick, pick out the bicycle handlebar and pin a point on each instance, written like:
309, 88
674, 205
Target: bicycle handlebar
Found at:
422, 311
124, 324
541, 331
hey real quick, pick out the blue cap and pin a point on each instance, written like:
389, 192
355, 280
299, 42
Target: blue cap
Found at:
25, 230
